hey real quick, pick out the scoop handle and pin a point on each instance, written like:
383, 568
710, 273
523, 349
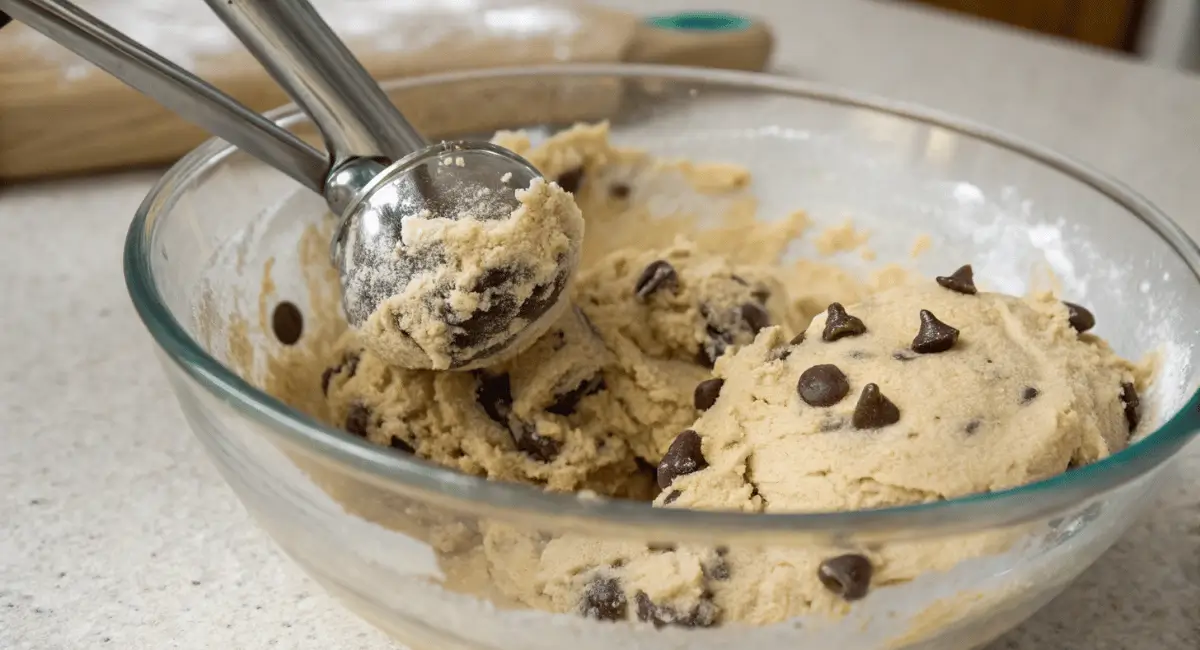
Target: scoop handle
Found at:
176, 89
302, 54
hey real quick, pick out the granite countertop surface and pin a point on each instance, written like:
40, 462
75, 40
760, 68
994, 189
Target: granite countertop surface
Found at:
116, 531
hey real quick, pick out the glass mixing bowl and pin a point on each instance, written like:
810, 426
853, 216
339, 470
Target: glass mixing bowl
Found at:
382, 531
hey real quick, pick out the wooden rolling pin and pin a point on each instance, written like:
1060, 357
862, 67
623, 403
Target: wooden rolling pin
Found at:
53, 123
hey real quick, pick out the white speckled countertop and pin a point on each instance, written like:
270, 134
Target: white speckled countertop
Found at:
116, 531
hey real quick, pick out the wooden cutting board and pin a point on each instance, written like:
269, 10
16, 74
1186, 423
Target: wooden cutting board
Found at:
59, 115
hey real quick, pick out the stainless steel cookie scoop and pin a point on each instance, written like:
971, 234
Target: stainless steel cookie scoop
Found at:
378, 173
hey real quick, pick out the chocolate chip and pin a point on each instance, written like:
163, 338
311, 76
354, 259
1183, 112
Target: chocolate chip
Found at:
715, 344
570, 180
587, 321
972, 427
619, 191
657, 275
483, 324
357, 419
537, 446
822, 385
494, 395
1133, 405
1028, 394
706, 393
848, 576
755, 317
672, 496
903, 355
287, 322
683, 457
566, 403
934, 335
604, 600
398, 443
645, 467
703, 615
839, 324
797, 339
962, 280
1079, 317
718, 569
873, 410
760, 293
493, 278
660, 547
647, 610
349, 364
543, 297
723, 327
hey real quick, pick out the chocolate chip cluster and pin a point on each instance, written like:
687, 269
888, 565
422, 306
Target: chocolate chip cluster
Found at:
604, 599
359, 418
825, 385
820, 386
494, 395
724, 325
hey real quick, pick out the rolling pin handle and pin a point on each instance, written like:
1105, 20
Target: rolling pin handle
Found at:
174, 88
701, 21
709, 39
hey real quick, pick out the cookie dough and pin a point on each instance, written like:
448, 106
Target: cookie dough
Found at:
917, 394
595, 402
694, 369
876, 404
477, 287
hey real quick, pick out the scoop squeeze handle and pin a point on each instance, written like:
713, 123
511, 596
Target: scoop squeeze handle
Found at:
303, 55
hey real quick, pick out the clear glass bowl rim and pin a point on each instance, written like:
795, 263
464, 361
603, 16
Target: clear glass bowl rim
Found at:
974, 511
